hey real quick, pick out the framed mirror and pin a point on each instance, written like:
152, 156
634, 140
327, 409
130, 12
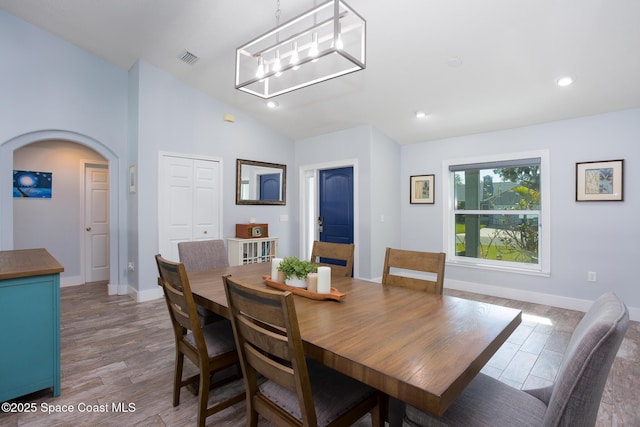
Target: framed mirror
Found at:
260, 183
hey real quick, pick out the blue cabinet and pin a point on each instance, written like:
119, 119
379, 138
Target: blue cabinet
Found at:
29, 322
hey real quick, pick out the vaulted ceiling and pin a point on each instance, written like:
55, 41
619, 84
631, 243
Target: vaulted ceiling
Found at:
472, 66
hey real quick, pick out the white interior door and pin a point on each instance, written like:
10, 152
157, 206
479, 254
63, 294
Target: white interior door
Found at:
189, 202
206, 202
96, 211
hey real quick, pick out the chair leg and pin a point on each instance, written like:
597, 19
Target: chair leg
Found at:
203, 398
252, 417
378, 413
177, 378
396, 412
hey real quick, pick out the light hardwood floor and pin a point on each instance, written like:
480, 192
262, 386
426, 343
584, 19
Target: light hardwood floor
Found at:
116, 351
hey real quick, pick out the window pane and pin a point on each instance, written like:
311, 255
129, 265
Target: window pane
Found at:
506, 188
509, 237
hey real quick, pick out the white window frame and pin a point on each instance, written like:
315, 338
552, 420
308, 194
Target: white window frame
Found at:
543, 268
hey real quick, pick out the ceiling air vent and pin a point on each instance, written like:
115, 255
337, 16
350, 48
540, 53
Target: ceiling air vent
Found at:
188, 57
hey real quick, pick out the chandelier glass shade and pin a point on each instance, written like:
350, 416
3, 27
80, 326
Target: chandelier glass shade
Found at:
327, 41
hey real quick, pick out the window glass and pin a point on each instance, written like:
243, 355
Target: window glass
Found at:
497, 212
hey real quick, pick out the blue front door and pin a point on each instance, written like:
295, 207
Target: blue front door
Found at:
336, 205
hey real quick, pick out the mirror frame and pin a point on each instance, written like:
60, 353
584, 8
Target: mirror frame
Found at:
240, 163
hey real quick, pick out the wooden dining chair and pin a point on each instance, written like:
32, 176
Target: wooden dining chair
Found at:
422, 262
198, 255
210, 348
338, 256
296, 391
572, 400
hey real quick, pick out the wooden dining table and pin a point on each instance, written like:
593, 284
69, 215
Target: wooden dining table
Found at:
421, 348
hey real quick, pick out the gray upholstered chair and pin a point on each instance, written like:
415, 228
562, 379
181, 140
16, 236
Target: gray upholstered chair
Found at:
295, 391
572, 400
204, 255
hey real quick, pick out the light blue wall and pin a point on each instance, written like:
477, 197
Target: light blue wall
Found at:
175, 117
53, 90
585, 236
386, 200
378, 169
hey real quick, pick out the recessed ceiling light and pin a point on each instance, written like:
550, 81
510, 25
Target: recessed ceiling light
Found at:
454, 62
564, 81
421, 114
272, 104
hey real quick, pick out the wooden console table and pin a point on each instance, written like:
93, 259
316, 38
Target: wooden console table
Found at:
29, 322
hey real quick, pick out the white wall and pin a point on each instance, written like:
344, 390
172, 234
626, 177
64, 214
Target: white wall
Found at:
56, 223
585, 236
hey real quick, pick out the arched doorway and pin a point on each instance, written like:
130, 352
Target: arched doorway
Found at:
6, 216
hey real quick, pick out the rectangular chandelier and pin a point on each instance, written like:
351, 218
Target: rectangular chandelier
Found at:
327, 41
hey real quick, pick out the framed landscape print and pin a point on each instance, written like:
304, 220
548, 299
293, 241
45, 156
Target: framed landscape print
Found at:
599, 181
422, 189
32, 184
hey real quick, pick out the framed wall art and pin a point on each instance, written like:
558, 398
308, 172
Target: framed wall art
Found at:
599, 181
422, 189
32, 184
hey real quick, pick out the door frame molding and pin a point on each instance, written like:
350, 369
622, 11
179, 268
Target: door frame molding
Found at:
308, 216
84, 163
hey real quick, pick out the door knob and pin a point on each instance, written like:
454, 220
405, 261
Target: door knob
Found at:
88, 228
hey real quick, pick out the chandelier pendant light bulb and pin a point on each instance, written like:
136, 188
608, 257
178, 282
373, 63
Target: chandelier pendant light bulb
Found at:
323, 43
313, 50
261, 68
295, 57
277, 65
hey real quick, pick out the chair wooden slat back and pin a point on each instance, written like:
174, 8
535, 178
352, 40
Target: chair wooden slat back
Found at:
342, 253
180, 302
265, 326
424, 262
195, 342
268, 338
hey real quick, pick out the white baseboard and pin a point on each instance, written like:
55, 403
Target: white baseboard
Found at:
147, 295
529, 296
71, 281
526, 296
115, 289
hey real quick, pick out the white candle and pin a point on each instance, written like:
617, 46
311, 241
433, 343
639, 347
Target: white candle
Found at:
324, 280
312, 282
275, 262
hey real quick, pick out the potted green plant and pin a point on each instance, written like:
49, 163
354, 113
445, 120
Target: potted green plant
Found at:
296, 270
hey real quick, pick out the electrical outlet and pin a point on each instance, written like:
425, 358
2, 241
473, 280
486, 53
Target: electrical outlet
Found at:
592, 276
131, 266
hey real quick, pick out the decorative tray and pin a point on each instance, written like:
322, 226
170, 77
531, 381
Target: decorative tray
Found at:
333, 295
